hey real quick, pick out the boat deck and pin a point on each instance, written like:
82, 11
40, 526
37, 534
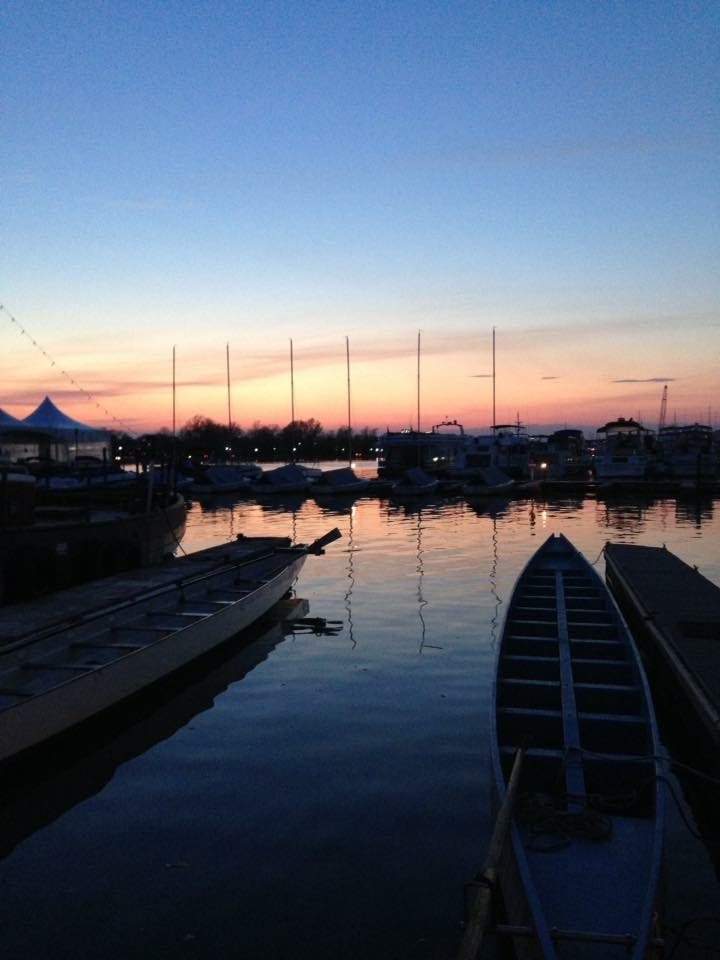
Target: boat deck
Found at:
679, 610
22, 622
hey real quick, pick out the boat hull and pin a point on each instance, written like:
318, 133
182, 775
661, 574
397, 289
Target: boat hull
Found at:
59, 679
581, 875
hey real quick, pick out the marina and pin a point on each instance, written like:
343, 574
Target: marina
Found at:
335, 799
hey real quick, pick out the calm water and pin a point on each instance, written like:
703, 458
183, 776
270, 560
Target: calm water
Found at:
323, 795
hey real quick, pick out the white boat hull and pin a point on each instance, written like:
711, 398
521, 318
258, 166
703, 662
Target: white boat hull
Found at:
65, 679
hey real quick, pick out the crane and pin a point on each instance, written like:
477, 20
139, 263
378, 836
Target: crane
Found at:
663, 409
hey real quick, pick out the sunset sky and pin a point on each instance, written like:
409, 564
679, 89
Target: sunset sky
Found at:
196, 174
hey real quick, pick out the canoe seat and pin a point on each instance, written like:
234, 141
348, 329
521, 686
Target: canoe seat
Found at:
533, 628
609, 698
583, 629
543, 694
538, 728
593, 670
598, 649
528, 667
520, 643
619, 733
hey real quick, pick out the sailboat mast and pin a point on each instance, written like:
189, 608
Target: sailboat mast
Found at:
227, 364
292, 402
173, 390
418, 381
349, 417
494, 420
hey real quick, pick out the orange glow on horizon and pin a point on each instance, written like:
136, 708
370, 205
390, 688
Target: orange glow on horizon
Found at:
543, 378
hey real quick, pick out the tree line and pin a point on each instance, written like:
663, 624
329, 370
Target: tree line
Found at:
204, 439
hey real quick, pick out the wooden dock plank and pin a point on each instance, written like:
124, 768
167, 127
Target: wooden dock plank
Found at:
679, 610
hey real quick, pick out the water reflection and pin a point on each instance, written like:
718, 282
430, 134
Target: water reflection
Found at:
694, 511
420, 570
495, 619
332, 761
350, 579
36, 795
626, 518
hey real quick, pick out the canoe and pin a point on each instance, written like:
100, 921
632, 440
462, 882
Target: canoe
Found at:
86, 650
581, 868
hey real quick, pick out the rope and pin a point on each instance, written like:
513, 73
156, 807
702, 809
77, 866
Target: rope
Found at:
597, 558
554, 828
172, 531
715, 781
609, 801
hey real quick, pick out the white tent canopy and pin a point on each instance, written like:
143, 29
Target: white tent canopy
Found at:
50, 419
49, 434
6, 420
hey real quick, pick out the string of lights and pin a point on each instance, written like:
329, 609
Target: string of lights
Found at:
24, 332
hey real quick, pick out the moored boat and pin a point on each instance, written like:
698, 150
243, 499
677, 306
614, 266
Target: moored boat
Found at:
340, 480
83, 652
43, 549
415, 483
218, 478
580, 870
489, 482
439, 451
279, 480
623, 451
689, 453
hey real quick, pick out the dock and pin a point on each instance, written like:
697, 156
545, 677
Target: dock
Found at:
675, 611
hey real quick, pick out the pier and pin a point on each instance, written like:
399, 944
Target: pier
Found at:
675, 611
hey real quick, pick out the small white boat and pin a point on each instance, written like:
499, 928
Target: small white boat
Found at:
415, 483
340, 480
66, 660
489, 482
312, 473
286, 479
223, 477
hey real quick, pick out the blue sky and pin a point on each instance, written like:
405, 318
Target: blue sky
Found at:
203, 173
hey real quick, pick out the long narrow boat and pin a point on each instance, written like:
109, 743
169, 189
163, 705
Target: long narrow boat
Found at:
581, 868
86, 650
